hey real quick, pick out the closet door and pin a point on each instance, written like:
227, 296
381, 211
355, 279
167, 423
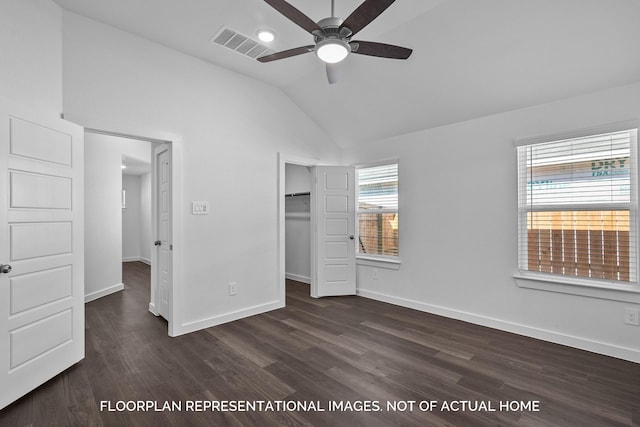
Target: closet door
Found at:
335, 252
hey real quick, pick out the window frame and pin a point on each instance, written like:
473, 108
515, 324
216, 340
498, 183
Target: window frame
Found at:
374, 260
576, 285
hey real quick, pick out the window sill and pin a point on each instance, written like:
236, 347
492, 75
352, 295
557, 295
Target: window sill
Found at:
599, 289
379, 262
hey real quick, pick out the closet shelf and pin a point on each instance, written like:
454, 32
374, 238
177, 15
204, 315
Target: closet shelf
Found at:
297, 215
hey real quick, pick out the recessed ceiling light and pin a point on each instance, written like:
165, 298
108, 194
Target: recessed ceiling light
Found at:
266, 35
124, 166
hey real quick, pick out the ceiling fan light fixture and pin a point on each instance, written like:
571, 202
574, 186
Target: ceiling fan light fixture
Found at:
332, 50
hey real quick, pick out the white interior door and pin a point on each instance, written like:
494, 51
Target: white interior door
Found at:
163, 244
334, 243
41, 249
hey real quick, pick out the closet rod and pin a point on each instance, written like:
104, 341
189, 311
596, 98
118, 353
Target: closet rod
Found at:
297, 194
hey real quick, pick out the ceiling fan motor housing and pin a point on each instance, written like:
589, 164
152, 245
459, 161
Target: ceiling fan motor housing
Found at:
331, 30
332, 36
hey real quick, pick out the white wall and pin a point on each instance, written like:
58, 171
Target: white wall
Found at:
31, 53
458, 227
131, 218
231, 129
146, 237
103, 216
298, 223
137, 150
297, 179
136, 218
136, 222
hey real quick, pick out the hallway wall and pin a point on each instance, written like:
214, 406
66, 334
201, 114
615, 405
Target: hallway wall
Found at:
103, 216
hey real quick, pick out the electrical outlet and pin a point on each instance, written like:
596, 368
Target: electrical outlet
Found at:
233, 288
632, 316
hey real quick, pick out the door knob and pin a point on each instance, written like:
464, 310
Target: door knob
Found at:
157, 243
351, 237
5, 268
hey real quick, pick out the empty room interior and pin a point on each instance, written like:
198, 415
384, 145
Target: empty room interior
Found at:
327, 213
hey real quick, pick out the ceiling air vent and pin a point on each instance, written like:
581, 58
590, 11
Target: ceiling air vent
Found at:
240, 43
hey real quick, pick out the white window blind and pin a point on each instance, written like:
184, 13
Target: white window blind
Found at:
378, 210
577, 206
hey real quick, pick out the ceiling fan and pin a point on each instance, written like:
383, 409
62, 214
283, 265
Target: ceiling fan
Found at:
332, 36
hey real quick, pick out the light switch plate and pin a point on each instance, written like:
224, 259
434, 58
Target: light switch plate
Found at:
200, 208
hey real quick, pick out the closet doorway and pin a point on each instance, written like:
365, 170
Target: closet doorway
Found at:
297, 204
316, 230
295, 179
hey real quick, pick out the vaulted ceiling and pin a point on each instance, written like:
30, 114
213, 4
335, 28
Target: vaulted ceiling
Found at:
471, 58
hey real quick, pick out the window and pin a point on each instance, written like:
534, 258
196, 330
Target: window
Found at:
378, 210
577, 206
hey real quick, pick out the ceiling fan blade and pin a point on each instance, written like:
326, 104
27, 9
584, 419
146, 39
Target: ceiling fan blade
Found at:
380, 50
333, 73
294, 15
364, 14
286, 53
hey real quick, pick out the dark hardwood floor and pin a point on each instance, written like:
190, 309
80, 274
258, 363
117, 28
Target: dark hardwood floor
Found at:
350, 350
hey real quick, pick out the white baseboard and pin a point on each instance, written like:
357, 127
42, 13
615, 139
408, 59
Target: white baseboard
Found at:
229, 317
103, 292
542, 334
137, 259
298, 278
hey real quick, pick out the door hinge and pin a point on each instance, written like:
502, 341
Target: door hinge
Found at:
171, 247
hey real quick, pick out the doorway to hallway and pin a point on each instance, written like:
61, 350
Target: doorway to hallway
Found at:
128, 206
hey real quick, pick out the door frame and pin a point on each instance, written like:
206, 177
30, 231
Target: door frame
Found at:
283, 160
175, 292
